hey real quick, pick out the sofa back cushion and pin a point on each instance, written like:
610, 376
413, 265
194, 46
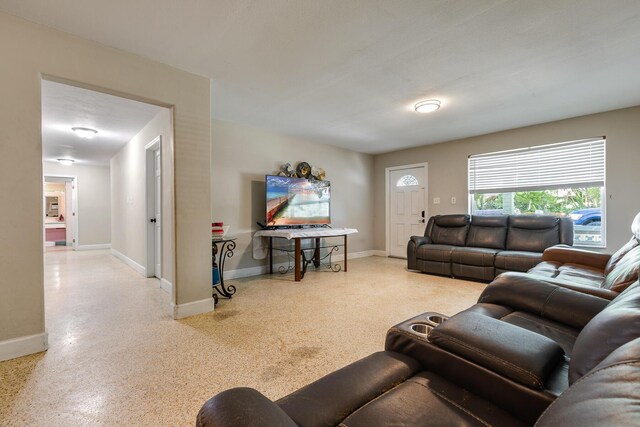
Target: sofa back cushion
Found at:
619, 254
617, 324
566, 231
450, 229
625, 271
608, 395
635, 227
532, 233
488, 231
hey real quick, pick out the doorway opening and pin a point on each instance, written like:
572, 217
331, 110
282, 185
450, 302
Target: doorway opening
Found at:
119, 150
60, 206
405, 206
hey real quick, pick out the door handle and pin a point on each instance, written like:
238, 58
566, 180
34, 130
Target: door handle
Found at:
421, 221
152, 220
423, 215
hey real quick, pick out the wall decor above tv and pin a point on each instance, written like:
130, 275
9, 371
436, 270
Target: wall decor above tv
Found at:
302, 170
297, 201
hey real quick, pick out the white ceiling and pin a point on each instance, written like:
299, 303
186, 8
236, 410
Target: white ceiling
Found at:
116, 119
347, 72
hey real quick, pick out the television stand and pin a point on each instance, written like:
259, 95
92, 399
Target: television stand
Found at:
301, 260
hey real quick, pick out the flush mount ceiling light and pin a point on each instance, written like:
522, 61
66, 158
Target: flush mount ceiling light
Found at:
427, 106
66, 162
86, 133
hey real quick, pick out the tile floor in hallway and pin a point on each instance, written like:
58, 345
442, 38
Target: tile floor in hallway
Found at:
117, 358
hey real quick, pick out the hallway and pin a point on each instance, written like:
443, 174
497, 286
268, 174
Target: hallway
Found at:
116, 357
99, 314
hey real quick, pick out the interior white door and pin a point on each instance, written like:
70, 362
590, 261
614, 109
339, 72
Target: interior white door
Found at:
157, 212
407, 208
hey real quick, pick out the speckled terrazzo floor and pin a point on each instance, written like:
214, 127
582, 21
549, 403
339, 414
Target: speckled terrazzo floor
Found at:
117, 358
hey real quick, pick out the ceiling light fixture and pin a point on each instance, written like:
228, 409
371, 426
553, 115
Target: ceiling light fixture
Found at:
86, 133
66, 162
428, 106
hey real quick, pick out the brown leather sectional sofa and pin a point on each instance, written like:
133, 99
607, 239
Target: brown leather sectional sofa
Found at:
481, 247
536, 348
505, 362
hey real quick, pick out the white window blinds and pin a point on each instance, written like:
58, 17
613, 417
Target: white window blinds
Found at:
573, 164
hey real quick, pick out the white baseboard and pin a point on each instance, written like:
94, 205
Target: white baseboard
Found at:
17, 347
93, 247
131, 263
351, 255
180, 311
166, 285
264, 269
252, 271
380, 253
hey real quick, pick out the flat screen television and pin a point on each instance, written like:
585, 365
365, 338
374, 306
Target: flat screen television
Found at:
297, 201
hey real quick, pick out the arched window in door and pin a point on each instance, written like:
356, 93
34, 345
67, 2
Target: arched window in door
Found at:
407, 181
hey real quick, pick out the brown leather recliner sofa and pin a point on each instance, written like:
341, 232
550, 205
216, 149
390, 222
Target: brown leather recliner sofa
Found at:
606, 396
482, 247
592, 272
501, 362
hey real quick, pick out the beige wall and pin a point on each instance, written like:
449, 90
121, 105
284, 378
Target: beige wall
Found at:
448, 166
28, 51
128, 192
94, 205
242, 156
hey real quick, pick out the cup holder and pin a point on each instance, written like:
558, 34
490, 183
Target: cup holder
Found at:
436, 319
421, 328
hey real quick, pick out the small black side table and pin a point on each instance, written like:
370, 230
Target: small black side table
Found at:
227, 245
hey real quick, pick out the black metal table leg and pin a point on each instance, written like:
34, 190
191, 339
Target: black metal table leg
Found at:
225, 251
316, 254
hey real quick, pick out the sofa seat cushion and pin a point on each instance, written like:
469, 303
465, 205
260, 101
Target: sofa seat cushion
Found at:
482, 257
427, 399
580, 279
547, 268
578, 273
569, 269
440, 253
517, 260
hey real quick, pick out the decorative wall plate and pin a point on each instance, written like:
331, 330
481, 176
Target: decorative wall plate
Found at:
303, 170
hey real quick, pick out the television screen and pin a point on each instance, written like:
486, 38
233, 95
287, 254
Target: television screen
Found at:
297, 201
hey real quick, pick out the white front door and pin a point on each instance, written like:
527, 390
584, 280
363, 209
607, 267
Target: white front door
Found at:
157, 211
407, 208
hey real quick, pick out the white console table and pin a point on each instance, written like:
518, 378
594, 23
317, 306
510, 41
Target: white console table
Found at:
305, 233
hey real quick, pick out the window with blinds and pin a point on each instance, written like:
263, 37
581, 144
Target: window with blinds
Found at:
566, 179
